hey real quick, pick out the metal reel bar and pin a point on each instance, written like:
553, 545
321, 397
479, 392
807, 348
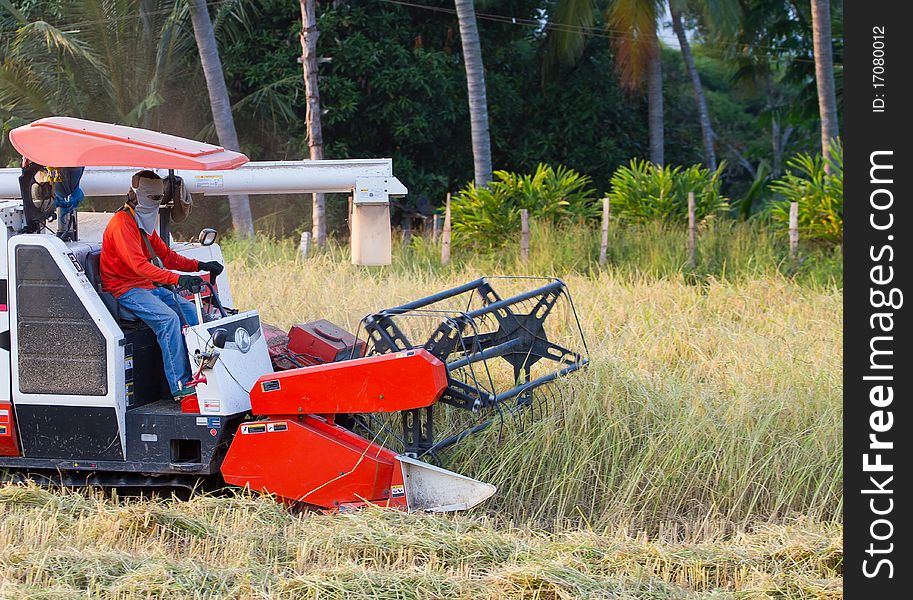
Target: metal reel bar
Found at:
476, 326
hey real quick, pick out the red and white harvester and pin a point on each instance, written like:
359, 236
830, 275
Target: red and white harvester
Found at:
318, 416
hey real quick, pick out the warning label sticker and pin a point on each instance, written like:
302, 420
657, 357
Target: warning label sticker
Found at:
397, 491
209, 181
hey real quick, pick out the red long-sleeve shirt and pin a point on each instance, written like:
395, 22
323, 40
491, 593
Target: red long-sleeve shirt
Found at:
124, 261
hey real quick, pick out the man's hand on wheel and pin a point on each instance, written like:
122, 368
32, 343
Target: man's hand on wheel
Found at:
191, 283
212, 266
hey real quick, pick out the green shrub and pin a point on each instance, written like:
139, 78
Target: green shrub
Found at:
488, 217
643, 192
819, 194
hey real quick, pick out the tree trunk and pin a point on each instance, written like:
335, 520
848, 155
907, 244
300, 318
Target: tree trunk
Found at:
475, 84
309, 35
703, 113
775, 139
655, 103
220, 104
824, 75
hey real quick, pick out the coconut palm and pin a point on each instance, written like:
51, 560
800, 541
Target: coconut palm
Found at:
126, 61
720, 15
632, 25
824, 72
309, 35
638, 58
475, 84
47, 68
220, 105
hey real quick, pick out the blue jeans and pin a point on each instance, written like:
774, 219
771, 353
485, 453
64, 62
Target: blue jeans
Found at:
158, 308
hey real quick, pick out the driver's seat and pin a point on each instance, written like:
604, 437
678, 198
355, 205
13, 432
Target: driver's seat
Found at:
93, 272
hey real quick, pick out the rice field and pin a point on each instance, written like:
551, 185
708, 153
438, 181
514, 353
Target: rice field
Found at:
699, 455
64, 545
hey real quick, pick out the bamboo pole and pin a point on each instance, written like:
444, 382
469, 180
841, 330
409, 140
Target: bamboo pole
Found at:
524, 235
604, 245
793, 230
445, 235
692, 233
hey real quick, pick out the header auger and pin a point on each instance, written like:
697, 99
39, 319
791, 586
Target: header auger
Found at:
320, 416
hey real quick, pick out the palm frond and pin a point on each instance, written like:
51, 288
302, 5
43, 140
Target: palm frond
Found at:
274, 102
633, 27
566, 32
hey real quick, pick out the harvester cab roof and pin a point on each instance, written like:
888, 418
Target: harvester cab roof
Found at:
318, 416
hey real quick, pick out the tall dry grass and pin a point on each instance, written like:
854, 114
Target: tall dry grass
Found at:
717, 401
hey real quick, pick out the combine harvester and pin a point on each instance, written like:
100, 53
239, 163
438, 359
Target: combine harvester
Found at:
319, 416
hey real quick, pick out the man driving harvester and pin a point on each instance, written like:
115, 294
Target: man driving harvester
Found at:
134, 267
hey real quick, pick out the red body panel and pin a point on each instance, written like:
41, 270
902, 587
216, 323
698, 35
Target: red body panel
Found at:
312, 461
384, 383
8, 444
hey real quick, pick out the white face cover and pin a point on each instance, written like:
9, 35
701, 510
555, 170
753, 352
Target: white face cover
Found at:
148, 198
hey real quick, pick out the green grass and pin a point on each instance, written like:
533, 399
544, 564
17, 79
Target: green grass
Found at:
727, 250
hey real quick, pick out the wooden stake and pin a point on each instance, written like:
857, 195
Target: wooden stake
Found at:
350, 215
407, 232
793, 230
524, 235
604, 245
305, 246
435, 228
692, 233
445, 237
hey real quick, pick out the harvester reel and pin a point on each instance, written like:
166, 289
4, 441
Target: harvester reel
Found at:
499, 352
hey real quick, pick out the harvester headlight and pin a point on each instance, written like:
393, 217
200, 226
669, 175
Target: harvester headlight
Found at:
242, 339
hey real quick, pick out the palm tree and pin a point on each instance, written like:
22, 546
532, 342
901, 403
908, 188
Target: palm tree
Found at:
824, 74
638, 55
633, 27
122, 63
46, 69
221, 106
475, 84
720, 15
309, 35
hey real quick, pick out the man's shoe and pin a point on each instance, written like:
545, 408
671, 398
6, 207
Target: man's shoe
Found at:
187, 390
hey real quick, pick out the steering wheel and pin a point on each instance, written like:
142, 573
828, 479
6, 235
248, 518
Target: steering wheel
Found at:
213, 295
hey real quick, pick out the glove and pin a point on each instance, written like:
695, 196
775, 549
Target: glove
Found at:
192, 283
212, 266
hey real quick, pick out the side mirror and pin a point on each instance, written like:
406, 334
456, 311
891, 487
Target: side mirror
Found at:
207, 237
219, 337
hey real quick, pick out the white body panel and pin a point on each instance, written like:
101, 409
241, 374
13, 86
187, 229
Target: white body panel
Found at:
227, 390
115, 395
5, 364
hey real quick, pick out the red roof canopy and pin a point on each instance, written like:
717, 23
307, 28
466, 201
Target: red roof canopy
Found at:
70, 142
